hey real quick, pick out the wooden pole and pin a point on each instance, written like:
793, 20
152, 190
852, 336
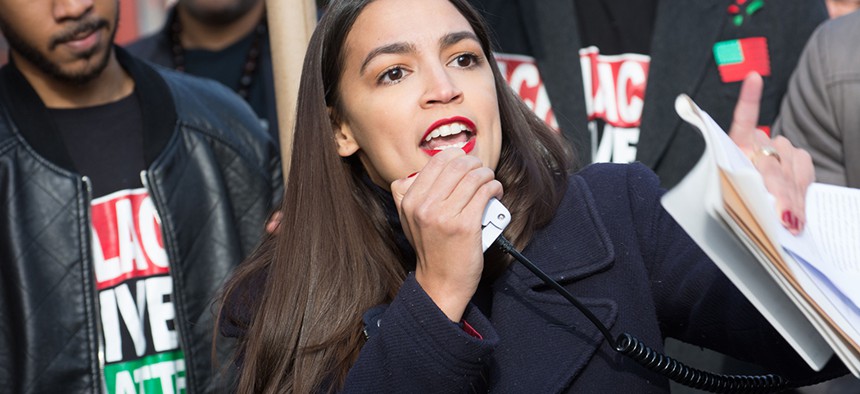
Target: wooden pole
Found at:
291, 23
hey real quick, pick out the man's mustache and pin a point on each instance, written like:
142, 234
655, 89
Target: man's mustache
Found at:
82, 28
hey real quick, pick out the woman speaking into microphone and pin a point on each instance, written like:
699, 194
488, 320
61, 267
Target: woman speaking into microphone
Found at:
376, 280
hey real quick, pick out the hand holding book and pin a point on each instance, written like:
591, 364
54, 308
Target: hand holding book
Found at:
787, 171
803, 283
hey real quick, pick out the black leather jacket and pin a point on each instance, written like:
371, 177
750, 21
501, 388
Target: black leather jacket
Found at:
213, 175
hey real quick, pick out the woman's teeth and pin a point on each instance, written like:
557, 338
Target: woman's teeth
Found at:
446, 130
457, 145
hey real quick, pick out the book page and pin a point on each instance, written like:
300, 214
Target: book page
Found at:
830, 244
837, 228
698, 206
828, 309
833, 223
815, 287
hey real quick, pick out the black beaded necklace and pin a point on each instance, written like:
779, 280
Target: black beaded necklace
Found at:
251, 59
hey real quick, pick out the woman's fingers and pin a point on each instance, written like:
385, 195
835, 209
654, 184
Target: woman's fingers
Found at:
399, 188
745, 117
802, 173
445, 187
440, 210
787, 171
775, 164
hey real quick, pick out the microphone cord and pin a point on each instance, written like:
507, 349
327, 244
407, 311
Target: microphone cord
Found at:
675, 370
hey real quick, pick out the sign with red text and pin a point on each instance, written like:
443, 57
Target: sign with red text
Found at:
135, 290
523, 77
614, 97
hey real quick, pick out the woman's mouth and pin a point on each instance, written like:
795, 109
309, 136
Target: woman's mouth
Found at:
451, 133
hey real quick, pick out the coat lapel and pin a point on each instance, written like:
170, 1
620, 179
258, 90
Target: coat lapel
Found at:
527, 315
684, 33
574, 245
555, 42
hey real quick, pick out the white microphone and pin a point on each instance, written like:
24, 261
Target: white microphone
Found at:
496, 218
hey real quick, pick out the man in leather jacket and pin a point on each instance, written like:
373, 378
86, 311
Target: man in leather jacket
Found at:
127, 195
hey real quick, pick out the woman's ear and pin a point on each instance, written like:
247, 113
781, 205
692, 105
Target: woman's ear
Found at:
343, 136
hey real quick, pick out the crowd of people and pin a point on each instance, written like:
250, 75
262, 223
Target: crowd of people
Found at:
149, 241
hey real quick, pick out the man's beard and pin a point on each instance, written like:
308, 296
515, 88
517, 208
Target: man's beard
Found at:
54, 70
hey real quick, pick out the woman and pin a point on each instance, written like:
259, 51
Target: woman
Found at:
376, 280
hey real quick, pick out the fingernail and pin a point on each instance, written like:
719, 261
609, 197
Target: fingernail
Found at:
791, 221
412, 174
787, 217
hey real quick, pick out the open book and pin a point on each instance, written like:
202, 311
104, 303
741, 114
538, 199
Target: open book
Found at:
808, 286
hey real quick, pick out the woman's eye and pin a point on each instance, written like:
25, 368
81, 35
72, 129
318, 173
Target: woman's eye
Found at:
465, 60
392, 75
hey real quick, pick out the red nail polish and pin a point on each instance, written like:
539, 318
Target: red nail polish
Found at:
412, 174
789, 219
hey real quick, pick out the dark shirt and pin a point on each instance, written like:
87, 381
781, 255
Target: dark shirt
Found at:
226, 66
105, 143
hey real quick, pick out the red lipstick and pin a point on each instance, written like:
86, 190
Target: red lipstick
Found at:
470, 144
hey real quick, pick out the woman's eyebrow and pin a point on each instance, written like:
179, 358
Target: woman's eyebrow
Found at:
395, 48
405, 47
453, 38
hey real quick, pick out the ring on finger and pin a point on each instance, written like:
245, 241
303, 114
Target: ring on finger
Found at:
769, 150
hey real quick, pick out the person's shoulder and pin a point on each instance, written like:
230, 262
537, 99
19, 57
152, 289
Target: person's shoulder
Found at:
833, 45
188, 83
851, 19
615, 192
607, 195
614, 176
615, 187
206, 106
144, 46
7, 130
840, 32
194, 94
153, 48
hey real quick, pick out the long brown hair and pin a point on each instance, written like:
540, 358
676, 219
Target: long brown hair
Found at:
334, 256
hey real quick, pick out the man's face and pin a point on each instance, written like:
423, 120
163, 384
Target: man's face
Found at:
68, 40
217, 12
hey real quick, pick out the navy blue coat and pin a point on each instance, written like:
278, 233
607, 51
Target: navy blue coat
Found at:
613, 246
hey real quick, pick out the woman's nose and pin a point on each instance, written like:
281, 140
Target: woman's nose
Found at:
440, 89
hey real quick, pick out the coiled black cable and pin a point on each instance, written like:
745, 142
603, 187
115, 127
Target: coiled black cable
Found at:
657, 362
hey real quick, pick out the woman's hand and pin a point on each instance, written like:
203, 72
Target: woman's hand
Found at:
440, 210
787, 171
